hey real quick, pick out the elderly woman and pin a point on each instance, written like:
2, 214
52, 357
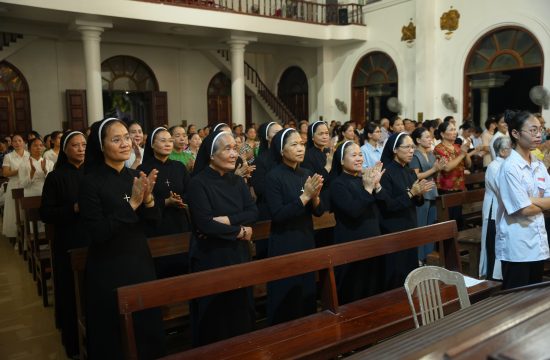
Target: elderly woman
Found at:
487, 264
222, 211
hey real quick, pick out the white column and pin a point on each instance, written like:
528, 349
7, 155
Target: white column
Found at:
425, 46
484, 106
325, 91
238, 110
91, 39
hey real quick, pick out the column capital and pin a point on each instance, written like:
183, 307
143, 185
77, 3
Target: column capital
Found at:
235, 41
90, 27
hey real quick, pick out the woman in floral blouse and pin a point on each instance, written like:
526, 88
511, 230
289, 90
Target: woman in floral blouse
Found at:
457, 159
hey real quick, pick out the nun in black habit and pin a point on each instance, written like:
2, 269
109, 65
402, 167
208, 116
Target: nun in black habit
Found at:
60, 207
115, 202
353, 196
318, 157
264, 163
222, 211
170, 190
292, 196
398, 209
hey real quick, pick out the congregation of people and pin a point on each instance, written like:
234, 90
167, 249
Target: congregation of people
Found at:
113, 186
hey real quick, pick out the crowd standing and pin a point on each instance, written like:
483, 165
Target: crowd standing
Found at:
117, 186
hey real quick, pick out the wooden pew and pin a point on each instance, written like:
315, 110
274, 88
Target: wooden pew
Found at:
17, 195
475, 180
159, 246
164, 246
39, 251
469, 240
337, 329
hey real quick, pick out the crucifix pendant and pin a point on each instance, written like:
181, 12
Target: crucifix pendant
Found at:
126, 197
167, 182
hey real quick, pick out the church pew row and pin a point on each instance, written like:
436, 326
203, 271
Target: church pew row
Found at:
469, 240
335, 330
165, 246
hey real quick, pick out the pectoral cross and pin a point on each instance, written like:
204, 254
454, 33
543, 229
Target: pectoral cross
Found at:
167, 182
302, 189
126, 197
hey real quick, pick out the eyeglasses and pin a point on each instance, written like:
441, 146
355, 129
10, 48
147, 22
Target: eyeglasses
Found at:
408, 147
117, 140
534, 131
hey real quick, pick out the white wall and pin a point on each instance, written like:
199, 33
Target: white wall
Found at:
419, 90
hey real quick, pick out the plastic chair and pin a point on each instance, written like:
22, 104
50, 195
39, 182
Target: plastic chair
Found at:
426, 279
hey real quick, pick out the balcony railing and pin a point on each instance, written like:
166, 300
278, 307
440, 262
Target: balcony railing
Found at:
297, 10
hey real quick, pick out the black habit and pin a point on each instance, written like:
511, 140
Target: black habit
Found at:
59, 196
264, 164
291, 231
172, 176
398, 213
315, 160
214, 245
357, 217
118, 255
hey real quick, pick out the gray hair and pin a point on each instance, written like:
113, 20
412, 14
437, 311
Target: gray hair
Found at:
502, 143
216, 144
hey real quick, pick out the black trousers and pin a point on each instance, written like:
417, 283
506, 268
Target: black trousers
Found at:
517, 274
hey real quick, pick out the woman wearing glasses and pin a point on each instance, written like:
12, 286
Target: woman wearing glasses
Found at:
524, 187
115, 203
404, 192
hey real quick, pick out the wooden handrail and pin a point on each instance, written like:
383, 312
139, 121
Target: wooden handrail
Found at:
294, 10
278, 107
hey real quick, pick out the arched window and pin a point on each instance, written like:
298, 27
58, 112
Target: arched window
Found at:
15, 113
501, 68
293, 91
374, 81
127, 73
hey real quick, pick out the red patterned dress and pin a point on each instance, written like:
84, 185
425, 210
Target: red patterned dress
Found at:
450, 180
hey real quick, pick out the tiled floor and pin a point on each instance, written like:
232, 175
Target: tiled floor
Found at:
27, 329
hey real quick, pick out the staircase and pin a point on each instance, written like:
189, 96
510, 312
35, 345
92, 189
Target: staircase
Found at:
269, 101
10, 43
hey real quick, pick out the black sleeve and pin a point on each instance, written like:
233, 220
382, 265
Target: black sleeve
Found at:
259, 177
98, 224
395, 200
202, 214
52, 208
249, 215
281, 211
352, 205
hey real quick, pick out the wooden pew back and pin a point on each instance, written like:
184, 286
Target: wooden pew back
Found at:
323, 260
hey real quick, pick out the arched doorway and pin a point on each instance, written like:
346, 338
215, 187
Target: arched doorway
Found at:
500, 70
15, 110
373, 82
130, 92
219, 101
293, 91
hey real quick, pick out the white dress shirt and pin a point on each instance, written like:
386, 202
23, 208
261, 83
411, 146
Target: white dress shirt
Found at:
521, 238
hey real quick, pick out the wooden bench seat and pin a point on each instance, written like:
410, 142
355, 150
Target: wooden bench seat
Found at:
325, 334
334, 319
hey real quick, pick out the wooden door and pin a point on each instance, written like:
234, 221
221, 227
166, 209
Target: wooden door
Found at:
5, 114
359, 105
77, 116
15, 112
159, 108
219, 110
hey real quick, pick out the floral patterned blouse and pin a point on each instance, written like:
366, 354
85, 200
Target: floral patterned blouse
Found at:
450, 180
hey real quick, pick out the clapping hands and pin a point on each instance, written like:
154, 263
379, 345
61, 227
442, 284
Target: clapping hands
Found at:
142, 189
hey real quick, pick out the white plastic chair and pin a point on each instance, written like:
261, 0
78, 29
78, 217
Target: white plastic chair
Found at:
426, 280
